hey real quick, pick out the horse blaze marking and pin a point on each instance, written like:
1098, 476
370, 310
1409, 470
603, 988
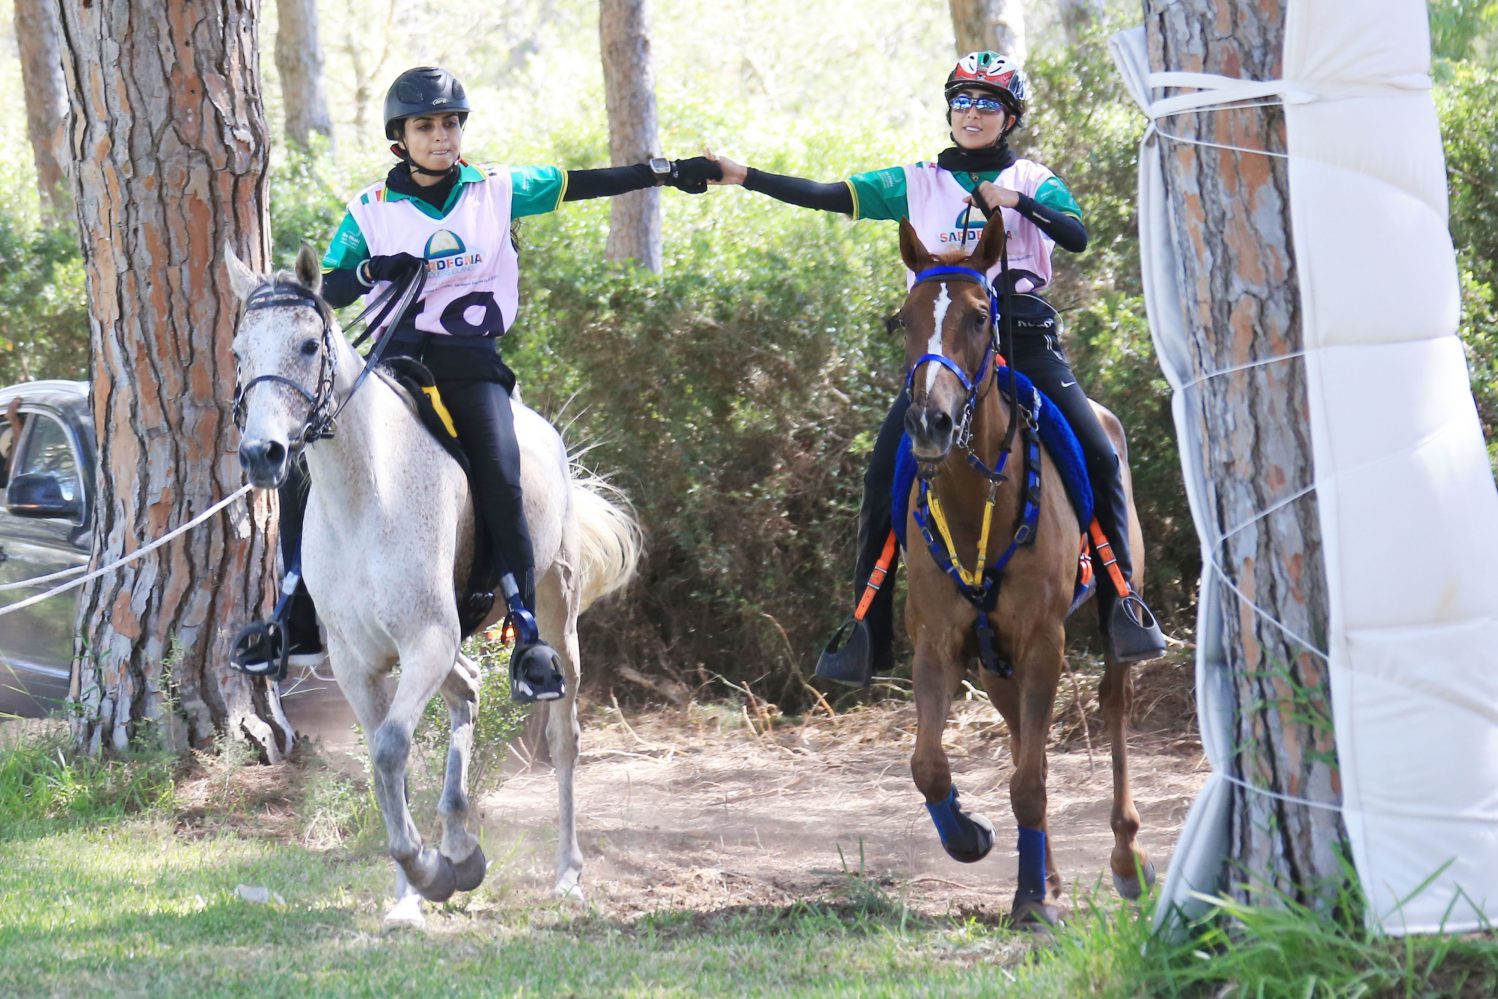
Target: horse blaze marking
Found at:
933, 346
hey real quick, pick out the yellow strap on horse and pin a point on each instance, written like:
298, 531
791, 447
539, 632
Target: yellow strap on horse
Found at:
441, 410
974, 578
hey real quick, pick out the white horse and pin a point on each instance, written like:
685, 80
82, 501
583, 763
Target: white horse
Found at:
389, 534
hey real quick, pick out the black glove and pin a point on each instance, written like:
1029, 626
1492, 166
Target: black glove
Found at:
390, 267
692, 175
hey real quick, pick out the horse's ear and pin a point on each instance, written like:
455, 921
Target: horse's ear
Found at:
990, 244
914, 252
241, 278
309, 267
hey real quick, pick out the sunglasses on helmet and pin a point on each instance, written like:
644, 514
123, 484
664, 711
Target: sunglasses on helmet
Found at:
985, 105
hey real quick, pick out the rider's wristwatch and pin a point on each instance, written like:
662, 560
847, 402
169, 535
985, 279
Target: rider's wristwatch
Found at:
661, 167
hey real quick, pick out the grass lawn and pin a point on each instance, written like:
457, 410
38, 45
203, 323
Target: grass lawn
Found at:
123, 878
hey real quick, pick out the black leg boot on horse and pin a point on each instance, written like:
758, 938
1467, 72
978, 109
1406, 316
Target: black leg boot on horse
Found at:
1130, 629
864, 644
481, 411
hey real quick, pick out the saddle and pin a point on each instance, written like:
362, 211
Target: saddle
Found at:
1060, 443
477, 598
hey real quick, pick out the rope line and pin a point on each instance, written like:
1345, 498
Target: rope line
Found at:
20, 605
1278, 795
22, 584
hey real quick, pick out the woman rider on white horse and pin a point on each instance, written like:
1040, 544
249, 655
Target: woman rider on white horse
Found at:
986, 94
437, 211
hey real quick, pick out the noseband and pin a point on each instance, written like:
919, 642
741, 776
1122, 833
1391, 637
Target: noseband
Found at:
972, 386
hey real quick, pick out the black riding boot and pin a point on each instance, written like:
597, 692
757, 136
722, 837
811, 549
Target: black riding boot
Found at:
1132, 633
861, 649
260, 647
486, 426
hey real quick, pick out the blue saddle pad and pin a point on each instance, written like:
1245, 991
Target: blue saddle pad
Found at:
1055, 435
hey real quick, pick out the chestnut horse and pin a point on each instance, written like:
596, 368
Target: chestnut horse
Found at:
959, 424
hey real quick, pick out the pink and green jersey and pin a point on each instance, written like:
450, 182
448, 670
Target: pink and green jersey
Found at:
933, 199
473, 274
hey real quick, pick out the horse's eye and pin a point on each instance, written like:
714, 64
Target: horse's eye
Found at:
980, 319
309, 348
894, 324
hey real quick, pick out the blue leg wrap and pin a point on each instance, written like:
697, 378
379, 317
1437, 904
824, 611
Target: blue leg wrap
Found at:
945, 816
1032, 863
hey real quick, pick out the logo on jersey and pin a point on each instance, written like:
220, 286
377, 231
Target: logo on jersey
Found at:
445, 252
966, 228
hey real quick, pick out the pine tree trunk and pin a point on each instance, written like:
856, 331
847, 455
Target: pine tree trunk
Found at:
299, 61
170, 143
629, 88
46, 100
998, 25
1230, 220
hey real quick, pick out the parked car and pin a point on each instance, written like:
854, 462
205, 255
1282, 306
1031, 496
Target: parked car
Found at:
47, 496
46, 525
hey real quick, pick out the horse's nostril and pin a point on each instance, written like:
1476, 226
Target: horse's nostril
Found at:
941, 423
274, 454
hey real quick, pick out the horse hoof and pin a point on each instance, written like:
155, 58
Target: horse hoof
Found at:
568, 889
407, 914
1042, 918
431, 874
1129, 888
979, 840
468, 873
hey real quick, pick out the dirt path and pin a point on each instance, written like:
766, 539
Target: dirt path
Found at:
699, 809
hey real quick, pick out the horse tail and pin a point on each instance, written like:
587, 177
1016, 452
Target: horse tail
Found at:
610, 538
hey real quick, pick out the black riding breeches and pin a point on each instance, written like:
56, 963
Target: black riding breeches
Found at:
475, 386
1041, 357
485, 423
874, 524
301, 615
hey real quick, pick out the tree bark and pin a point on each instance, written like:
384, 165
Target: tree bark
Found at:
1230, 221
299, 61
170, 142
629, 89
998, 25
46, 100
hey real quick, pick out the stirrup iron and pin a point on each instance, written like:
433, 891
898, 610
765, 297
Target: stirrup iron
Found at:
1134, 636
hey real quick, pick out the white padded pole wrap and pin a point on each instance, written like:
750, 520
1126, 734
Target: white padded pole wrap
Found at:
1405, 495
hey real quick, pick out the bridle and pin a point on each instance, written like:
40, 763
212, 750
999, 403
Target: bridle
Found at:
322, 413
972, 386
319, 420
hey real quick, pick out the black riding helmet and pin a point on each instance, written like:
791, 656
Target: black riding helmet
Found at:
423, 90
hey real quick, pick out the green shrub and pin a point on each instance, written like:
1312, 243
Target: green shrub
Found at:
44, 328
43, 782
